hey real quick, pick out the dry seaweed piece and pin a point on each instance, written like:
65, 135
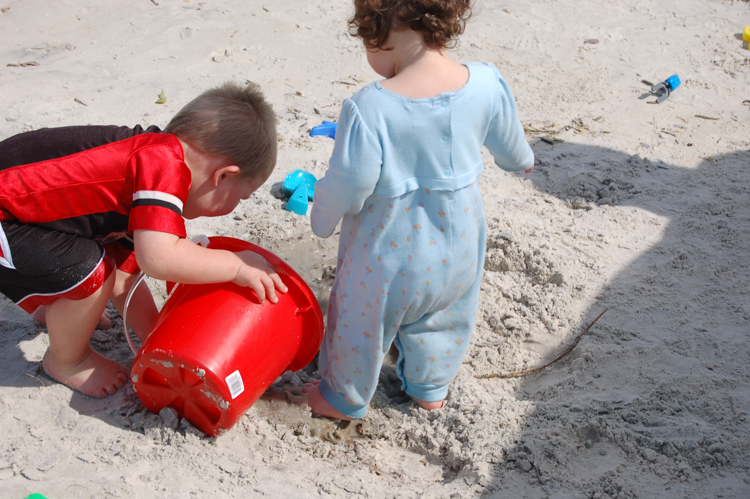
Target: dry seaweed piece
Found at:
22, 64
527, 371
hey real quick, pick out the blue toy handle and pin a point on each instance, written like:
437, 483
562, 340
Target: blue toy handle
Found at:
666, 87
673, 82
327, 129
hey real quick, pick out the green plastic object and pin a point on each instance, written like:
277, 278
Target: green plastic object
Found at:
35, 496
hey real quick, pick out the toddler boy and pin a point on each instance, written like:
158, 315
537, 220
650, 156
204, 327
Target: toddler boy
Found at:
82, 208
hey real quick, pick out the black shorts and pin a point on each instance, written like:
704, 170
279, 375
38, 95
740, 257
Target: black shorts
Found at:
38, 266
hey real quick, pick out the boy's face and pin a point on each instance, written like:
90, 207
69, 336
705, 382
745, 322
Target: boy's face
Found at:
221, 196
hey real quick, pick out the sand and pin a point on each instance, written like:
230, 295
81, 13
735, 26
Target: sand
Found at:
638, 208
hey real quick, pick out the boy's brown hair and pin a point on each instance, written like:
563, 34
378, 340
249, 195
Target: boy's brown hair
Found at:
439, 21
231, 122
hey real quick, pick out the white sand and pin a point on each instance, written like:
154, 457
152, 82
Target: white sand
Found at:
641, 208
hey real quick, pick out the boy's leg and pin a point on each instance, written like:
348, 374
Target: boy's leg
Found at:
40, 316
70, 359
73, 277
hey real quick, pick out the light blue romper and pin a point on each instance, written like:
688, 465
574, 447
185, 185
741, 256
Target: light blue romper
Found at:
403, 177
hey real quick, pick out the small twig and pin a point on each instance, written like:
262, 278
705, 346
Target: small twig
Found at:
566, 352
706, 117
22, 64
80, 102
39, 380
537, 130
154, 2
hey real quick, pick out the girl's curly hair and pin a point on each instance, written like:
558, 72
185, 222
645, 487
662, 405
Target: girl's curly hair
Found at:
439, 21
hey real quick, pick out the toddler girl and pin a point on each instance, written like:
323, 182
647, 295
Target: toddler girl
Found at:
403, 176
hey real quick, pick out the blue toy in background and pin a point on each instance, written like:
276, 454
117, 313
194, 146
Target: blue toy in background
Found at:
327, 129
301, 186
666, 87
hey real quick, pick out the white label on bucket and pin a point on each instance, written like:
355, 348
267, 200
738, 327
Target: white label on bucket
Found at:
235, 384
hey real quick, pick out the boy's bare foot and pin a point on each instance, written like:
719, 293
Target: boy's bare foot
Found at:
40, 317
94, 375
428, 406
318, 403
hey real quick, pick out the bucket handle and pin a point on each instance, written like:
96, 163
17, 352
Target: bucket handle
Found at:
135, 285
201, 240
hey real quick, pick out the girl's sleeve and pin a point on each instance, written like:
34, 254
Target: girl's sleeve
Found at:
353, 172
505, 137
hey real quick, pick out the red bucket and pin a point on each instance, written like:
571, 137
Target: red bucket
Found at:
215, 349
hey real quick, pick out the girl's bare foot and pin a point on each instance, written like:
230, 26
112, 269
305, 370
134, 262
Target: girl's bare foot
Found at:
318, 403
428, 406
40, 317
93, 375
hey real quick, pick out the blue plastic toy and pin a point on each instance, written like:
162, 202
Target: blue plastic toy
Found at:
663, 89
301, 186
298, 202
327, 129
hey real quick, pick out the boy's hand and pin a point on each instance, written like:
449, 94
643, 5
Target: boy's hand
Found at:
171, 258
258, 274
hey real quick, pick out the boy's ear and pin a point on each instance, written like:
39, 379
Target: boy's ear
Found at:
224, 172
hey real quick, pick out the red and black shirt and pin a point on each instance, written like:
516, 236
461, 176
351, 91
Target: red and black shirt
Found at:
97, 182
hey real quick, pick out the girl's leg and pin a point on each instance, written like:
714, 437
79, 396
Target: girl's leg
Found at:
431, 349
318, 404
429, 406
70, 359
351, 353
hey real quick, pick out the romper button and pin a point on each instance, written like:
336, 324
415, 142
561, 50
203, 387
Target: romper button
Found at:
444, 103
445, 138
447, 173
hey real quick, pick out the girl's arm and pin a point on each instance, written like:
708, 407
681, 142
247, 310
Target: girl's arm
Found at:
506, 139
171, 258
353, 172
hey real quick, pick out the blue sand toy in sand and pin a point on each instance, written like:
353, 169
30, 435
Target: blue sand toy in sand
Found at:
327, 129
663, 89
298, 202
301, 185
